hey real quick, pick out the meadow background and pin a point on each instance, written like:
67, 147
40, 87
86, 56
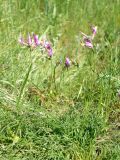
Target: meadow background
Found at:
61, 114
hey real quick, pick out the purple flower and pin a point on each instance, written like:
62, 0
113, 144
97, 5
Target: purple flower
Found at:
36, 40
88, 43
21, 40
48, 47
67, 62
50, 52
87, 40
94, 31
29, 40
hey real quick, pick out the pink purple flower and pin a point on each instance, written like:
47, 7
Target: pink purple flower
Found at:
29, 40
21, 40
88, 43
67, 62
36, 40
48, 47
50, 52
87, 40
33, 41
94, 31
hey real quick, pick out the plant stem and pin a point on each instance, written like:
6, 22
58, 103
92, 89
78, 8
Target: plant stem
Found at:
23, 86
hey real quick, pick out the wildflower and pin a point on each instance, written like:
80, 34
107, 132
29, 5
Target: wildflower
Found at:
88, 43
21, 40
29, 40
48, 47
36, 40
50, 52
67, 62
87, 40
94, 31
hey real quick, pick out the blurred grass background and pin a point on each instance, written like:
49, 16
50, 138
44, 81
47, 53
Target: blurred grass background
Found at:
80, 121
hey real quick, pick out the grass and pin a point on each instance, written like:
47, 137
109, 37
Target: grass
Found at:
49, 113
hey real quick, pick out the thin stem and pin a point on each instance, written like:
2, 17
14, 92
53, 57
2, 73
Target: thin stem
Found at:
23, 86
54, 74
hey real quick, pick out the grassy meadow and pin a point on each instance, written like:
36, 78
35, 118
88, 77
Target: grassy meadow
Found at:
49, 111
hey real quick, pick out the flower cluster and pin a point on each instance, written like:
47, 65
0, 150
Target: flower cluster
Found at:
33, 41
87, 40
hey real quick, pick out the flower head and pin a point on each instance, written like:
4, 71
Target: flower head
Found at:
94, 31
21, 40
29, 40
87, 40
50, 52
36, 40
67, 62
88, 43
48, 47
